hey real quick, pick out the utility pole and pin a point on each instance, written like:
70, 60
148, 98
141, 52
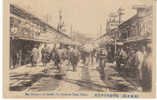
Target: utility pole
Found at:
108, 27
98, 32
113, 17
48, 18
60, 18
120, 13
61, 22
71, 32
100, 29
112, 22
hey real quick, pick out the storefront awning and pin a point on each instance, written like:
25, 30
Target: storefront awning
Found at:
137, 39
30, 39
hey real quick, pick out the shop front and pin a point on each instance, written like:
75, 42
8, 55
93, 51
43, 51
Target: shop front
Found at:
20, 51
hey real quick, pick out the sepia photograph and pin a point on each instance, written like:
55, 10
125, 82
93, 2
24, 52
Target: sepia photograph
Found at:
79, 49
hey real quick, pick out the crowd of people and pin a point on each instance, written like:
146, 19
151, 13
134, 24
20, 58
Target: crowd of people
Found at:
70, 54
133, 61
136, 62
58, 55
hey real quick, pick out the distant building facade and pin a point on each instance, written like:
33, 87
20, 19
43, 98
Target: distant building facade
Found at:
138, 26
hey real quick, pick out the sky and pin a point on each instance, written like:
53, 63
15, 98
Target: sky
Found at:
85, 16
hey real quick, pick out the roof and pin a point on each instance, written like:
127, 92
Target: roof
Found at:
28, 16
101, 36
128, 22
132, 19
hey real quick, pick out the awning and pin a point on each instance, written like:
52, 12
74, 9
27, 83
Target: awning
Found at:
105, 40
137, 39
30, 39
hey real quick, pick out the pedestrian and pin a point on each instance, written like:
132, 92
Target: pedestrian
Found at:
147, 70
74, 58
19, 57
110, 54
139, 64
102, 62
83, 56
131, 60
64, 54
56, 58
122, 57
68, 55
97, 54
34, 55
45, 55
92, 55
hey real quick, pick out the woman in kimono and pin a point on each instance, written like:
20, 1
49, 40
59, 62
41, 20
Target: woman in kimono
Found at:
34, 55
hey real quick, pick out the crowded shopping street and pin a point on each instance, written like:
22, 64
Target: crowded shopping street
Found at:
44, 57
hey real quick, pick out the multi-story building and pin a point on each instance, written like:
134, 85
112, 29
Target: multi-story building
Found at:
136, 31
137, 27
26, 31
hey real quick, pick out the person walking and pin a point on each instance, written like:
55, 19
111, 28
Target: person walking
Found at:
123, 57
34, 55
45, 55
92, 55
83, 56
102, 62
97, 54
56, 58
74, 58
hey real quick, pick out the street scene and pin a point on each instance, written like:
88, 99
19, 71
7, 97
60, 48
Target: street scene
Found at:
74, 48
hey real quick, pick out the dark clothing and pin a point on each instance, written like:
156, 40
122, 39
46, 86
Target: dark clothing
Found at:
122, 58
147, 74
74, 58
84, 56
45, 56
92, 54
55, 57
102, 62
97, 56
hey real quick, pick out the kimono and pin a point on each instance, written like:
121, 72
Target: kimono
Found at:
34, 56
74, 58
56, 58
147, 73
139, 59
45, 55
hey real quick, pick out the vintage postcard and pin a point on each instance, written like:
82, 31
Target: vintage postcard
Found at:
79, 49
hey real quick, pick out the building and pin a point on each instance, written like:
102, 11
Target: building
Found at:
138, 27
132, 33
26, 31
